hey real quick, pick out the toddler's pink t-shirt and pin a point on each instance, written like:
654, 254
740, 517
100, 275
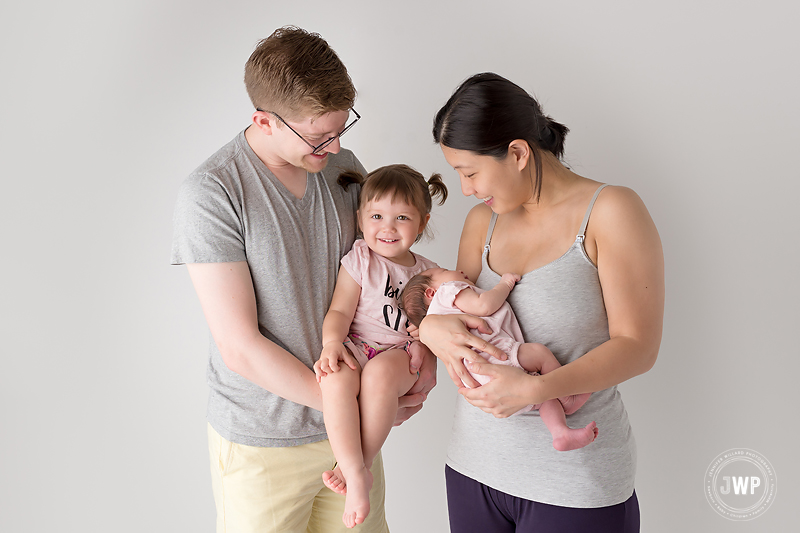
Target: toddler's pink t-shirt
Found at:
378, 319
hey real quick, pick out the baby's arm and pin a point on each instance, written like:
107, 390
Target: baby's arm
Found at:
336, 326
489, 302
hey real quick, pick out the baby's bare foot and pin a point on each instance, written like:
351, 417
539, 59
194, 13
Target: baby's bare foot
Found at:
334, 480
572, 439
356, 504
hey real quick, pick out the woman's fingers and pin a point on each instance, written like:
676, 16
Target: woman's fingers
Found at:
509, 390
466, 379
486, 347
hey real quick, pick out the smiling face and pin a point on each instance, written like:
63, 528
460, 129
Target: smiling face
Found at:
293, 148
390, 228
502, 184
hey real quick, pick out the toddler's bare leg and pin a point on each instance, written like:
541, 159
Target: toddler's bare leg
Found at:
383, 381
340, 409
535, 357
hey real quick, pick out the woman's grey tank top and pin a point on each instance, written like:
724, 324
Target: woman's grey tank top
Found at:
561, 306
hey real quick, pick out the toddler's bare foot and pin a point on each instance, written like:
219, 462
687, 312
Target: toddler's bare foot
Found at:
574, 402
572, 439
356, 504
334, 480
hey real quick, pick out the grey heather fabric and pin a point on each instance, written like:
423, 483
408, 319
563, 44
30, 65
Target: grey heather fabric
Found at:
232, 208
561, 306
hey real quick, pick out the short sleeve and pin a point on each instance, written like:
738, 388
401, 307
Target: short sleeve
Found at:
206, 225
445, 296
356, 261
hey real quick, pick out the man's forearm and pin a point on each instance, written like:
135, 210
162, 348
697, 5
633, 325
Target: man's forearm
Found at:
272, 368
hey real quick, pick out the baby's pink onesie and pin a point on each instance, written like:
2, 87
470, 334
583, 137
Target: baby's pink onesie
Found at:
505, 335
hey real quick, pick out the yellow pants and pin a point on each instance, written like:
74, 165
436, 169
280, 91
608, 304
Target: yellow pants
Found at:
280, 490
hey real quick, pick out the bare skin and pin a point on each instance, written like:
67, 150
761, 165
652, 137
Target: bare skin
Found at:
357, 402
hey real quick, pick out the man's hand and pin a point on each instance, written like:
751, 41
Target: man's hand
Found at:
411, 403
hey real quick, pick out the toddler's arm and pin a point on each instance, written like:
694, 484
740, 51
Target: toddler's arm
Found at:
489, 302
336, 326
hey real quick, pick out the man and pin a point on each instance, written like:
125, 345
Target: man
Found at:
262, 225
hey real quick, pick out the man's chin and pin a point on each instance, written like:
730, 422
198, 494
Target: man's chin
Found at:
314, 164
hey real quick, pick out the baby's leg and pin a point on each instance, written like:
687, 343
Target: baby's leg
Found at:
564, 438
535, 357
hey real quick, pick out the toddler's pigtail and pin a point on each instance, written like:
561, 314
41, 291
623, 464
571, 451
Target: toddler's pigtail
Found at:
436, 187
349, 176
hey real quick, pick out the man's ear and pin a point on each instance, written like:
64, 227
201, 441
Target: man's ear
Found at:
263, 121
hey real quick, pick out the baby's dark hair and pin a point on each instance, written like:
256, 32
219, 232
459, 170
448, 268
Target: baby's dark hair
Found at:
403, 183
412, 299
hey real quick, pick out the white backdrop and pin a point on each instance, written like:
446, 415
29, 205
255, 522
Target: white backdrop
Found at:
107, 106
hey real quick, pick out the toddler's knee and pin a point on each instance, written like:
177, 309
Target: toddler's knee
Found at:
345, 381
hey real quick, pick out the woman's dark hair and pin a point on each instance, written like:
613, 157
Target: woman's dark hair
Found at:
486, 112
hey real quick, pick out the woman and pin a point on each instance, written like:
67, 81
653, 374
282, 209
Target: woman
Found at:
596, 300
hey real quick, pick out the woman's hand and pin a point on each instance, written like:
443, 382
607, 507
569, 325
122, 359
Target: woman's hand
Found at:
448, 337
509, 390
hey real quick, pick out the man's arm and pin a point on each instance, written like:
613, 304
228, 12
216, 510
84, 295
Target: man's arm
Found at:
228, 300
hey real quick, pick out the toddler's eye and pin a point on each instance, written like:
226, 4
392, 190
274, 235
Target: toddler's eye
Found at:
402, 217
376, 217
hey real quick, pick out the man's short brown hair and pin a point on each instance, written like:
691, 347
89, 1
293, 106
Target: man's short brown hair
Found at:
295, 73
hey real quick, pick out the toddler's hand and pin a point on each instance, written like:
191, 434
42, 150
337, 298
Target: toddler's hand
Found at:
328, 362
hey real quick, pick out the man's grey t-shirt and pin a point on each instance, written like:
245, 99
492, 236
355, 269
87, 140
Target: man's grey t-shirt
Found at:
232, 208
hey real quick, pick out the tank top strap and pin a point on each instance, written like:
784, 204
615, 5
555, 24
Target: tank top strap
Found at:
585, 222
489, 232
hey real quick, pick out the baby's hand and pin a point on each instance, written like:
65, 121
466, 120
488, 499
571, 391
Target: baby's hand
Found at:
510, 279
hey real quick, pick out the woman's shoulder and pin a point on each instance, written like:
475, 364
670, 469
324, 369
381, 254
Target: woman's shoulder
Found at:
477, 221
621, 224
617, 205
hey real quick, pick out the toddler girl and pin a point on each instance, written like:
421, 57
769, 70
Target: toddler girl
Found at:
365, 324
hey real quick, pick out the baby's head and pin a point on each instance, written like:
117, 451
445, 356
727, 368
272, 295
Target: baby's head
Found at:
420, 289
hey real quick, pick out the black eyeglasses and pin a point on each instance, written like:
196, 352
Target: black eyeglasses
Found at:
315, 149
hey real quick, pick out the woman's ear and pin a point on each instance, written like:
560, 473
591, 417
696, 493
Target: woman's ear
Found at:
519, 151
